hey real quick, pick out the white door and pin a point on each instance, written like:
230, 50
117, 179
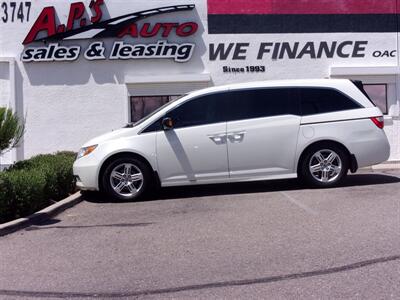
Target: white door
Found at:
262, 147
262, 135
194, 150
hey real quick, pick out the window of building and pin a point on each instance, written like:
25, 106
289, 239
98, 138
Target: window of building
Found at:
319, 100
378, 95
141, 106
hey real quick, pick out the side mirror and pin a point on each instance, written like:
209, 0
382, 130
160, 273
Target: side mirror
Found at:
167, 123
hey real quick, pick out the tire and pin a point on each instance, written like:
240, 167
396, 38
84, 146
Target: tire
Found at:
126, 179
324, 165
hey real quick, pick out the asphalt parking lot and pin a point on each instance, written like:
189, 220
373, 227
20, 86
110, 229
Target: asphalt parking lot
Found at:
265, 240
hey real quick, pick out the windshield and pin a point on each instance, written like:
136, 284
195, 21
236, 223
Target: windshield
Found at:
132, 124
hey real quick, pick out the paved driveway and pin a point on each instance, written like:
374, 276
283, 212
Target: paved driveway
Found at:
271, 240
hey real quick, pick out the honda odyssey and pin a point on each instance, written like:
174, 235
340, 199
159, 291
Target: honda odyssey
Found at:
316, 130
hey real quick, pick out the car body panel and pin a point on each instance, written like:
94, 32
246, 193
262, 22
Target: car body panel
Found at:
365, 140
262, 146
192, 154
88, 167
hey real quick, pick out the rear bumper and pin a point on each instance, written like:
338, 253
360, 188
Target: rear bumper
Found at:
371, 151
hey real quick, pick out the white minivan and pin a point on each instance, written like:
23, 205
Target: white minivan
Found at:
316, 130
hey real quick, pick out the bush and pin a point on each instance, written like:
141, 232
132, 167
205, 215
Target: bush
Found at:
29, 185
11, 129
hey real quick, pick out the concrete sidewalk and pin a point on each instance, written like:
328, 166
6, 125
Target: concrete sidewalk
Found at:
387, 165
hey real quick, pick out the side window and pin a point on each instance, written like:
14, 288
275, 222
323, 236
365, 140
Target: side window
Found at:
156, 126
320, 100
259, 103
203, 110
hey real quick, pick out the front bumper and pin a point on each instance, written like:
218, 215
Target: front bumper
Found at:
86, 173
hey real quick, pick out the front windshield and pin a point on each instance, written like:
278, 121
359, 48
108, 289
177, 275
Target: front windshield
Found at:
132, 124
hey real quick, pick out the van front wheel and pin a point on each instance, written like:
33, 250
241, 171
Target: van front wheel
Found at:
126, 179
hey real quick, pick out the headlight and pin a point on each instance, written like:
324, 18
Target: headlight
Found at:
85, 151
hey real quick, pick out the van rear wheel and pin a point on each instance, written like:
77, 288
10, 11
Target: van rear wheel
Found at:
324, 165
126, 179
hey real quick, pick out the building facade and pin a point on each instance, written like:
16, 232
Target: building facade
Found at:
77, 69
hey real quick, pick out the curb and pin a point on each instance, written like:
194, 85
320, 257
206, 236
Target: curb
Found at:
41, 215
386, 167
389, 165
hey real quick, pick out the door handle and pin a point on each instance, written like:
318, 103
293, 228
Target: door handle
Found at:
218, 138
236, 137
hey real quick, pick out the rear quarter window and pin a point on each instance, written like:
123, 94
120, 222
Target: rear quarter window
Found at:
324, 100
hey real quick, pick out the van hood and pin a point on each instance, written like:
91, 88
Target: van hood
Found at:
116, 134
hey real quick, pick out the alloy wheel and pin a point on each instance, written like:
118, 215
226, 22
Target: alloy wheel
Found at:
126, 180
325, 165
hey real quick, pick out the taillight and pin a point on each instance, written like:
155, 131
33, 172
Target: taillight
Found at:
378, 121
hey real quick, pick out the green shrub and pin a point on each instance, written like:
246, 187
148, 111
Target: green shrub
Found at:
7, 209
29, 185
23, 190
11, 129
